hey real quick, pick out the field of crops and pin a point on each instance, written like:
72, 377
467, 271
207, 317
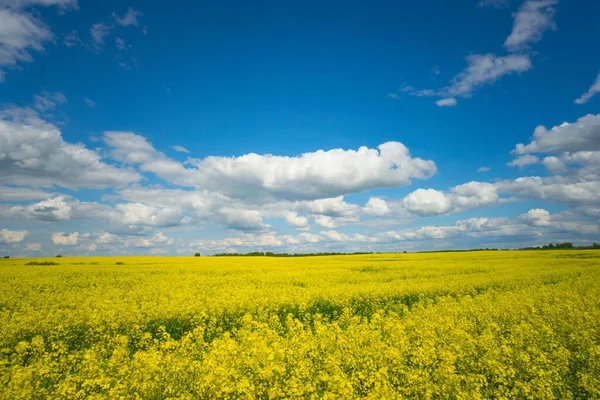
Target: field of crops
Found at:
439, 325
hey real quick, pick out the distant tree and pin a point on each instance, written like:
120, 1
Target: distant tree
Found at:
58, 256
197, 255
9, 256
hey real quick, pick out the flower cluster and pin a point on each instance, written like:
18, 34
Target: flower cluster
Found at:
442, 325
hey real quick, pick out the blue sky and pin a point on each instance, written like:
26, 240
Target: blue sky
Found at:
270, 104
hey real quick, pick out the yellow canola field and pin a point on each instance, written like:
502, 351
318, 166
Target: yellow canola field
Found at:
469, 325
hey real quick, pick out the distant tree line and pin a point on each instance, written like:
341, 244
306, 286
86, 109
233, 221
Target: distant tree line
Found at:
558, 246
271, 254
562, 246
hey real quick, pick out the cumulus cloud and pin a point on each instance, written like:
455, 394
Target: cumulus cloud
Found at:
310, 176
483, 169
107, 238
295, 220
537, 217
430, 202
592, 91
52, 209
10, 237
325, 221
62, 239
554, 165
523, 161
33, 153
333, 207
426, 202
139, 214
530, 22
243, 220
157, 239
15, 193
533, 223
582, 135
376, 207
555, 189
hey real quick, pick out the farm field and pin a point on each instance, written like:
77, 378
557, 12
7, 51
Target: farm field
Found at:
498, 324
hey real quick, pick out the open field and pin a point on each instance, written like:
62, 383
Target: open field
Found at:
451, 325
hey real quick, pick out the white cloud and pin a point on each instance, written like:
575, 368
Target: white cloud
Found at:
554, 165
449, 102
523, 161
90, 103
33, 247
534, 223
592, 91
87, 247
555, 189
129, 18
376, 207
53, 209
243, 220
180, 149
483, 69
48, 101
583, 135
120, 43
20, 34
334, 207
158, 239
309, 238
98, 32
33, 153
474, 195
10, 237
427, 202
72, 39
295, 220
493, 3
483, 169
138, 214
12, 193
530, 22
430, 202
107, 238
325, 221
537, 217
64, 4
62, 239
310, 176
